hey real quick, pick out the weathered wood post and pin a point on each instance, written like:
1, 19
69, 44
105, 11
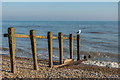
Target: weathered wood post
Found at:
60, 37
11, 38
71, 45
78, 47
33, 47
49, 36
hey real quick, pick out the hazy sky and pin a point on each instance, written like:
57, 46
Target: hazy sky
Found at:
60, 11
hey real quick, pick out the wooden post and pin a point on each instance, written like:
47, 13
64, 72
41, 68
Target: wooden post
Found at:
78, 47
71, 45
49, 36
33, 47
60, 37
85, 57
11, 38
89, 56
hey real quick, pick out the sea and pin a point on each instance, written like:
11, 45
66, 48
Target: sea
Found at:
98, 38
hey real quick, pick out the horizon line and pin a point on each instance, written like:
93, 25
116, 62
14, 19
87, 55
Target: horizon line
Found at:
60, 20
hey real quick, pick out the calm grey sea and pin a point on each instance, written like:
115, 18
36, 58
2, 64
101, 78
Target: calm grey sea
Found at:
98, 38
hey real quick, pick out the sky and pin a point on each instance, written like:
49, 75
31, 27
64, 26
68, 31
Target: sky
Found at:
60, 11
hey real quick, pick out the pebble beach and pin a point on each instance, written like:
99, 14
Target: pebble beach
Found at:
24, 67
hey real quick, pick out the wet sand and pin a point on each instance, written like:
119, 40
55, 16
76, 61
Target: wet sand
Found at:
24, 68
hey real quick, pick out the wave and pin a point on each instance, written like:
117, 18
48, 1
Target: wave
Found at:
94, 55
65, 49
96, 32
102, 63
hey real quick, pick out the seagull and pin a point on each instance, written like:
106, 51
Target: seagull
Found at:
79, 32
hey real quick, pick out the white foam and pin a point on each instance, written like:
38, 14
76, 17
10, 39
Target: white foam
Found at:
103, 63
4, 52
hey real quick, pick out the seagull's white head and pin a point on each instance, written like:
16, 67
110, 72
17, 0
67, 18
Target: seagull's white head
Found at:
79, 31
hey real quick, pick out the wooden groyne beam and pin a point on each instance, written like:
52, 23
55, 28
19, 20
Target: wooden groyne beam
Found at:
41, 37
